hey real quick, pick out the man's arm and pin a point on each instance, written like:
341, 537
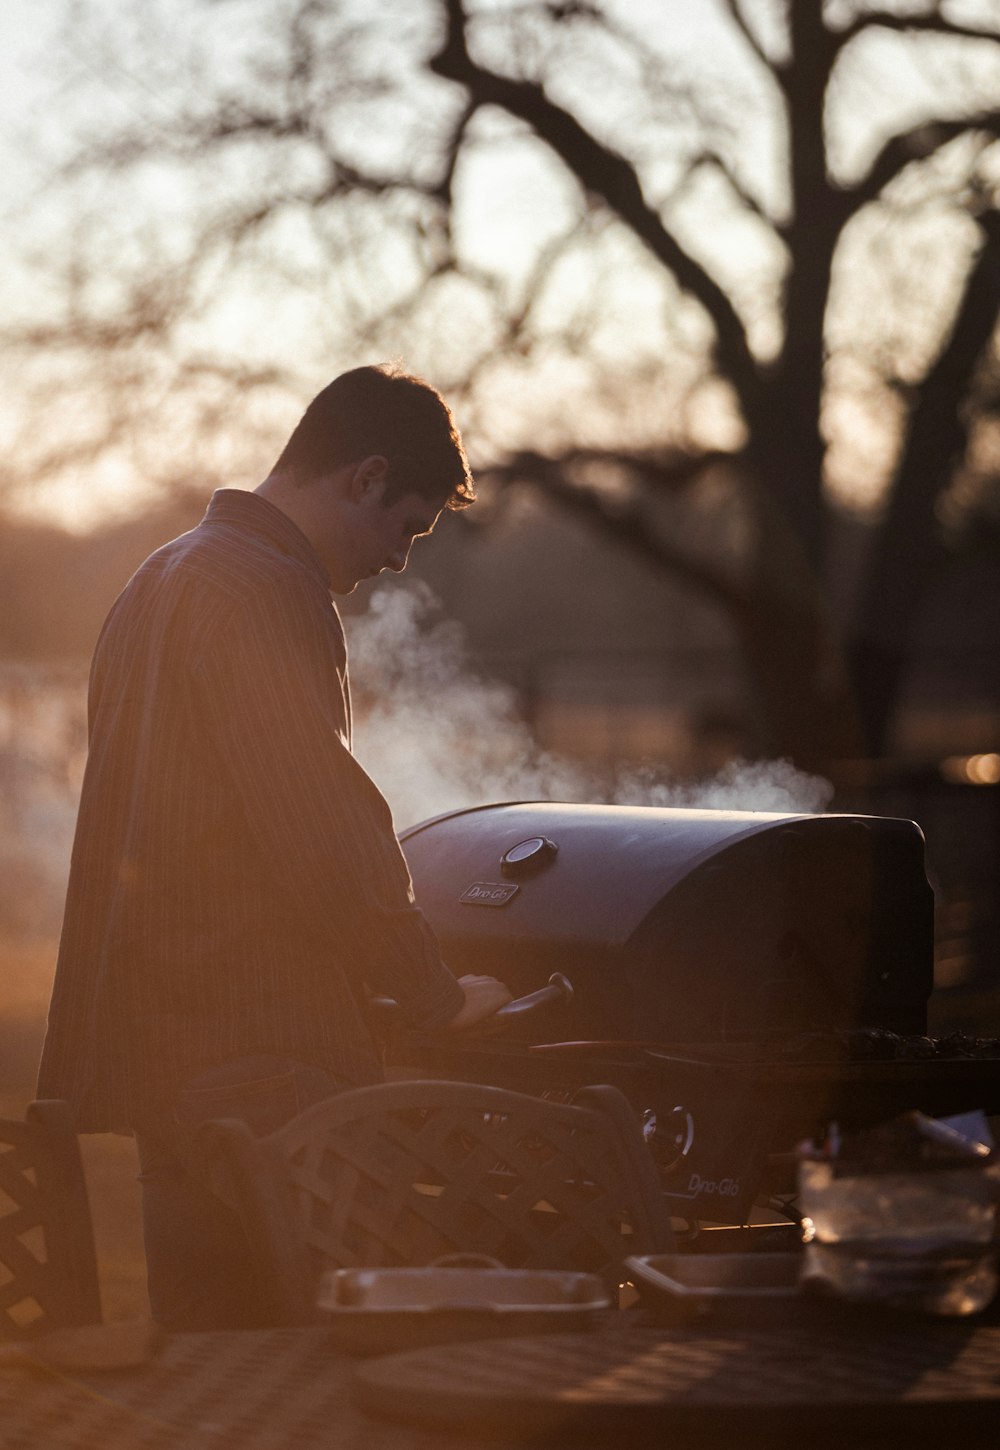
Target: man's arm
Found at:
272, 696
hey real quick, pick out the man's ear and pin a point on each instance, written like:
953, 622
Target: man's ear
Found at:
369, 478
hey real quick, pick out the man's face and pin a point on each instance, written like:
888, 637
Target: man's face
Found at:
373, 534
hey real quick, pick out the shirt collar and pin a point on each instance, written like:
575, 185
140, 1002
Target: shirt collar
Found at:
263, 518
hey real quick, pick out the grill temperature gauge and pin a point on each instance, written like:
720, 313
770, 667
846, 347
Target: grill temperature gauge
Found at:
528, 856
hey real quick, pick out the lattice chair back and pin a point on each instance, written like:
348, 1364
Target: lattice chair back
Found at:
404, 1173
48, 1267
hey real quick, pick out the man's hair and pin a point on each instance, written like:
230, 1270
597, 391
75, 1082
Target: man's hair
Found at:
382, 410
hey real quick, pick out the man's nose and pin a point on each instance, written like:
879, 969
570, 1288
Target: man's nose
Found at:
397, 559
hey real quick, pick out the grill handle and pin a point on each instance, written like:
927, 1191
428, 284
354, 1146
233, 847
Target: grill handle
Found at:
558, 989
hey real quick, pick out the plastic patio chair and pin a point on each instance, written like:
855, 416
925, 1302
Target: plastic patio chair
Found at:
405, 1173
48, 1267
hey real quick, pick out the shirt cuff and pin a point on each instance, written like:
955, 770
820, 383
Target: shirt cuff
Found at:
436, 1004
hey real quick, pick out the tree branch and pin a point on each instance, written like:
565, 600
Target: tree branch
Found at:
607, 174
629, 526
442, 188
712, 159
737, 17
916, 145
912, 24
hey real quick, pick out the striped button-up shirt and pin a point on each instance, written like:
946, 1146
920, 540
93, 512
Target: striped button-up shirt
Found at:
236, 885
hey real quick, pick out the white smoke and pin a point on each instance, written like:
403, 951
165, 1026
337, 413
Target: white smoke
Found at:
432, 734
741, 785
437, 737
42, 742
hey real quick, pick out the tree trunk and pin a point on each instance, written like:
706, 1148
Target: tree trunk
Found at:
908, 550
793, 654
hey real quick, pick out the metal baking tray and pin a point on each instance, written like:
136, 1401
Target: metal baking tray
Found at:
379, 1311
679, 1287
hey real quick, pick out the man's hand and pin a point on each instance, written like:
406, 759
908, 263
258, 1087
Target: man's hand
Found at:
483, 997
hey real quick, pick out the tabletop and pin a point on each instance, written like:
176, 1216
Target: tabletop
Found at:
266, 1390
288, 1388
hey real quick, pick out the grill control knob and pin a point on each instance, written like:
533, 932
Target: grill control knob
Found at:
670, 1138
528, 856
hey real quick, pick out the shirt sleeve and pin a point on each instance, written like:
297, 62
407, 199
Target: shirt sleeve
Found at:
272, 687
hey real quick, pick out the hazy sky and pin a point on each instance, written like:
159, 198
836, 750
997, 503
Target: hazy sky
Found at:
29, 87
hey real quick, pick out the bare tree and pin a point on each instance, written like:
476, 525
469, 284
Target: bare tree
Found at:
644, 273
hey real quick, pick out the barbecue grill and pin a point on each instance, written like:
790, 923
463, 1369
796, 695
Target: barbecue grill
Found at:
726, 969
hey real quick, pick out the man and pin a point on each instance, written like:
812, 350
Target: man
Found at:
236, 887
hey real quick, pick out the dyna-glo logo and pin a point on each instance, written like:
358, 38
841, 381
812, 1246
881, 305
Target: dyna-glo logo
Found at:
489, 893
720, 1187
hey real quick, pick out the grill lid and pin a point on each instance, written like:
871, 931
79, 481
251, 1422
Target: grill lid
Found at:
586, 874
685, 925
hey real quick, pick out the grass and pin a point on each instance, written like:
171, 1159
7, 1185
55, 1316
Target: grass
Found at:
109, 1160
